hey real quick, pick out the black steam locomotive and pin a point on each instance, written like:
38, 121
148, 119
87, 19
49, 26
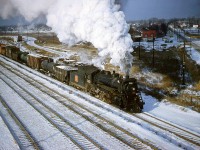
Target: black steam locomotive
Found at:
107, 86
111, 88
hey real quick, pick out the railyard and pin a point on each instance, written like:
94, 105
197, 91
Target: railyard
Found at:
76, 116
84, 122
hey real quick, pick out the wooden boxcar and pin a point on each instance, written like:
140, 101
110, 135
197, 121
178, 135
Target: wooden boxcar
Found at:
2, 49
34, 60
12, 52
62, 73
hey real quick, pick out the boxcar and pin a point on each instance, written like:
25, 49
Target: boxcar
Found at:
62, 72
12, 52
2, 49
34, 61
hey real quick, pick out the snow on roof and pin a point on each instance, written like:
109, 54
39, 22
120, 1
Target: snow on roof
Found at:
69, 61
66, 68
34, 55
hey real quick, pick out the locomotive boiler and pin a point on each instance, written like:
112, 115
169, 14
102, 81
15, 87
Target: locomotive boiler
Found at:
123, 91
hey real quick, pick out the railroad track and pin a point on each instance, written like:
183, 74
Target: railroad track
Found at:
27, 120
20, 134
46, 111
102, 122
178, 131
54, 118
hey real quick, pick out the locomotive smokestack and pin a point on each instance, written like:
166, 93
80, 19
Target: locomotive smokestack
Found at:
127, 76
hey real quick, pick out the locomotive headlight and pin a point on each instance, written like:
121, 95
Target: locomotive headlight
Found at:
133, 89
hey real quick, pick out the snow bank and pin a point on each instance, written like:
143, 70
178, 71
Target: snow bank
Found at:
179, 115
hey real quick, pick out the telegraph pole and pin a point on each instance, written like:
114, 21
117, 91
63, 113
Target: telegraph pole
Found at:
153, 61
53, 38
27, 32
190, 46
38, 35
139, 48
174, 26
183, 66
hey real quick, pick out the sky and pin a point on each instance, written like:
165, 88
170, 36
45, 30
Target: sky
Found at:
143, 9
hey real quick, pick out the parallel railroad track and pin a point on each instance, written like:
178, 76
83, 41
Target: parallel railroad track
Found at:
107, 125
23, 138
194, 138
54, 118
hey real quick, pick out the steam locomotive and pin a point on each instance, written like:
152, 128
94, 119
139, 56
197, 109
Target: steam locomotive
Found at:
109, 87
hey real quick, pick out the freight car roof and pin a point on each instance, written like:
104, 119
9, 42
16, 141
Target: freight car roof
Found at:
2, 45
67, 68
69, 60
13, 48
35, 55
87, 69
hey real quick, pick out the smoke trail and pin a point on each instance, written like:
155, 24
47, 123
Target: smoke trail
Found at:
97, 21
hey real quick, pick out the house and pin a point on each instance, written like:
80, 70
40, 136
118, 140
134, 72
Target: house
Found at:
149, 34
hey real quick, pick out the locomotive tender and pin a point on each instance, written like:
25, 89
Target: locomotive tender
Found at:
107, 86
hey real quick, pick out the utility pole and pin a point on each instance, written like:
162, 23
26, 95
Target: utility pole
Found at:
139, 47
190, 45
27, 32
183, 66
174, 26
177, 32
53, 38
38, 35
153, 61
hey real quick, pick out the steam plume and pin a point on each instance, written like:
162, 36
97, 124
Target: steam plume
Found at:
97, 21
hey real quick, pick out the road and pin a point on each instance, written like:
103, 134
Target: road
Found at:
194, 41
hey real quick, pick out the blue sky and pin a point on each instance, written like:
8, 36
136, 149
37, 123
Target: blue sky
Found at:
145, 9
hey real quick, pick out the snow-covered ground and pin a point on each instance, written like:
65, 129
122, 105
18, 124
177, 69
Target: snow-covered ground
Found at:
182, 116
197, 43
194, 54
178, 116
31, 41
192, 30
170, 40
6, 139
160, 43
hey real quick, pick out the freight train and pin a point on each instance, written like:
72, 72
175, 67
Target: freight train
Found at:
109, 87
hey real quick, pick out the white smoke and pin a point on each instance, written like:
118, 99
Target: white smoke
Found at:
97, 21
6, 9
